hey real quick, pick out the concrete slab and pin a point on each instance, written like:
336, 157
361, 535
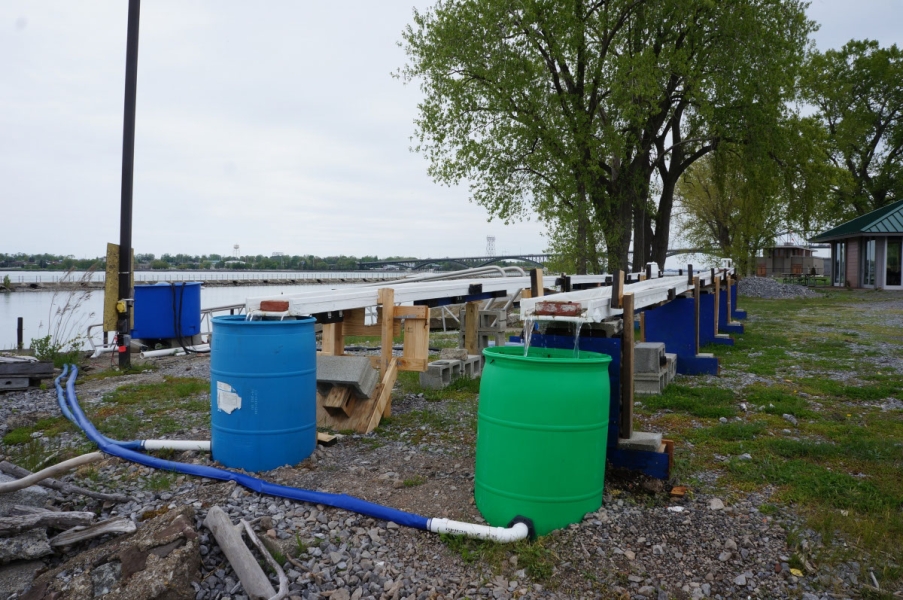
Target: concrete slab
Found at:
353, 371
640, 440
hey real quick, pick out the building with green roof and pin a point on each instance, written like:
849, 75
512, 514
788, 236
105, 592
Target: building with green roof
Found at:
866, 252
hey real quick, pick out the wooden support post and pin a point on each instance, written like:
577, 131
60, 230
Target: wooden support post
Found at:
696, 294
717, 282
690, 274
617, 288
643, 326
730, 282
472, 327
19, 329
626, 425
536, 286
386, 298
416, 349
333, 339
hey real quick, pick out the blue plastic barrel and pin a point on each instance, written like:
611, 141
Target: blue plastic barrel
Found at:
263, 392
165, 311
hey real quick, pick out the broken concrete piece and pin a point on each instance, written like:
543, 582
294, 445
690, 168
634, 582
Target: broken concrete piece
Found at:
352, 371
30, 496
158, 562
16, 577
25, 546
453, 354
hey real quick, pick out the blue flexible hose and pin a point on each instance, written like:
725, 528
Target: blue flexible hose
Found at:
342, 501
70, 389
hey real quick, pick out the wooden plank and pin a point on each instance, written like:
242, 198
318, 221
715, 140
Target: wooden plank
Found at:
471, 328
526, 294
252, 577
354, 323
24, 368
416, 347
669, 450
696, 294
339, 400
717, 282
536, 285
80, 533
333, 339
643, 326
729, 284
326, 439
13, 383
412, 312
384, 399
386, 297
627, 370
617, 288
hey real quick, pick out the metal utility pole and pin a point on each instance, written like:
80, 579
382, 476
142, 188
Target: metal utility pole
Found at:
128, 172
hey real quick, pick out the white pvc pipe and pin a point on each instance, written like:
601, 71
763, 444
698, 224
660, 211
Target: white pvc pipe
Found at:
53, 471
201, 445
504, 535
102, 349
176, 350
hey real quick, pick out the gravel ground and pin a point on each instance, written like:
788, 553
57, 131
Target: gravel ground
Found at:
765, 287
639, 545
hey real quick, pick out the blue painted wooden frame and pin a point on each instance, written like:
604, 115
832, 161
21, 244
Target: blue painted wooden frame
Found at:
707, 322
738, 314
724, 325
674, 324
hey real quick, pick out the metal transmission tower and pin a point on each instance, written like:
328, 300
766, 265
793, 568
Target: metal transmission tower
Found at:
490, 245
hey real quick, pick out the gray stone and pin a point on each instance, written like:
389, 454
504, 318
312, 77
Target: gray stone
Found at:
105, 577
790, 419
353, 371
26, 546
740, 579
453, 354
30, 496
716, 504
641, 440
17, 577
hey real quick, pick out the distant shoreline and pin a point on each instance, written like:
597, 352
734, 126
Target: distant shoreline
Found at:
75, 286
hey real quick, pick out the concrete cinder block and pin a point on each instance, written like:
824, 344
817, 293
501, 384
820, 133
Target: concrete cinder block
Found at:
473, 366
640, 440
353, 371
671, 360
436, 376
650, 384
648, 357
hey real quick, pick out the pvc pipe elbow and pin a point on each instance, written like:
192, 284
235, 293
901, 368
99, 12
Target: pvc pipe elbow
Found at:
518, 530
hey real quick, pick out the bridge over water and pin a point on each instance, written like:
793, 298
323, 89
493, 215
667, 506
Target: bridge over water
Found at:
470, 262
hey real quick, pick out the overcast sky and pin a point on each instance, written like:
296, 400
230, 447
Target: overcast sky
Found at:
272, 125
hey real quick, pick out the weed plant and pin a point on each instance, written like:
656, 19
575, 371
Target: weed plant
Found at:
65, 323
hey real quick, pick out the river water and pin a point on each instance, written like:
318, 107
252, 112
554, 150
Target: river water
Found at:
70, 313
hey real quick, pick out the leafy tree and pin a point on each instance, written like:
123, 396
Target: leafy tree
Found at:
569, 109
730, 207
858, 95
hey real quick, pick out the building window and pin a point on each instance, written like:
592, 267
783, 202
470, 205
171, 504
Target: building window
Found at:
840, 263
868, 262
894, 253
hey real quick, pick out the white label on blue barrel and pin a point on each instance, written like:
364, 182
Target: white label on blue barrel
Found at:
226, 398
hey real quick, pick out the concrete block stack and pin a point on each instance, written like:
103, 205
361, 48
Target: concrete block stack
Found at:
452, 363
493, 324
652, 371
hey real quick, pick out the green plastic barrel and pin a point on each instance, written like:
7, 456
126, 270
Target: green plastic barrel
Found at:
542, 428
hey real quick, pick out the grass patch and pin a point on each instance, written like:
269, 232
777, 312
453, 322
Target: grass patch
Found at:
160, 481
776, 400
414, 481
533, 556
706, 402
